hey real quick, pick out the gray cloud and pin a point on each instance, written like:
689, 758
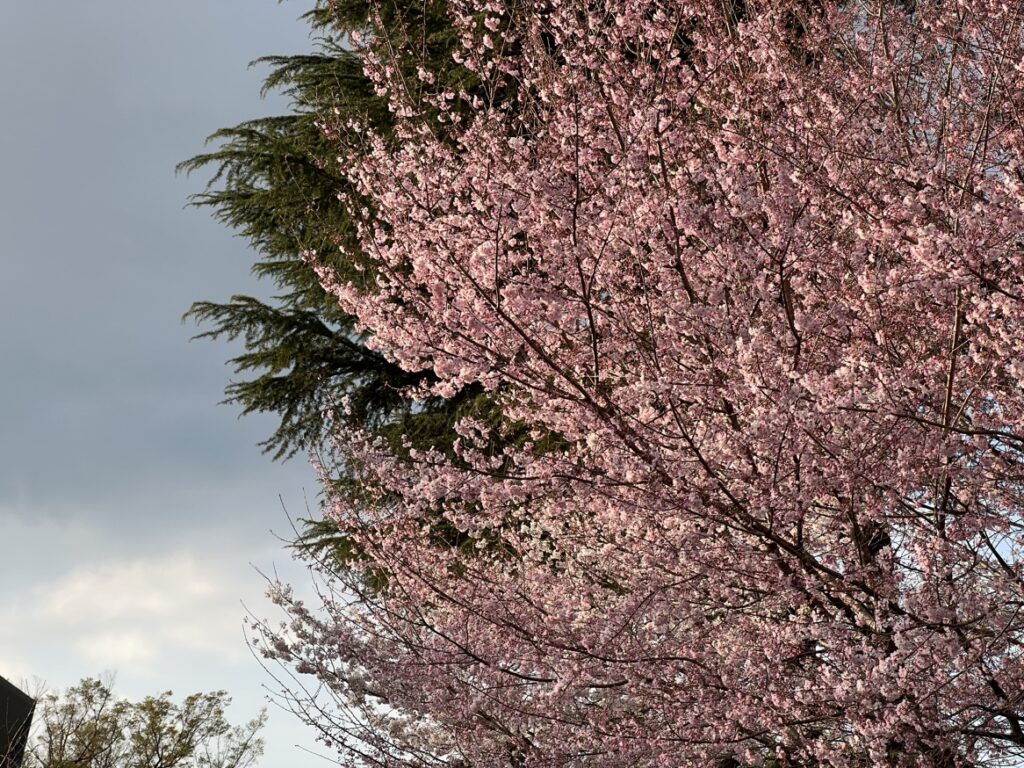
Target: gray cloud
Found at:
131, 505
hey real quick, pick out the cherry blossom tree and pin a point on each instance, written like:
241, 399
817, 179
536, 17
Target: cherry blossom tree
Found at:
747, 281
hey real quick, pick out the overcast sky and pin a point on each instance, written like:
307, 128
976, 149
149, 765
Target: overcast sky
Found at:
134, 510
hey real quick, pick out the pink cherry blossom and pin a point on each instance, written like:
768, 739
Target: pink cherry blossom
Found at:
760, 266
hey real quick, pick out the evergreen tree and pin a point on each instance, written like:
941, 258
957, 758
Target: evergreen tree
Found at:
276, 182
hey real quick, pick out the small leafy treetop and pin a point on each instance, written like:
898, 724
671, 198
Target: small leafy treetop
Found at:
87, 726
760, 266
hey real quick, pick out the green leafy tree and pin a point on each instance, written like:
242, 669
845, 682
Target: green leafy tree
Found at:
87, 726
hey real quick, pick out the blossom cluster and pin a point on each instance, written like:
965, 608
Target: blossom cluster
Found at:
759, 267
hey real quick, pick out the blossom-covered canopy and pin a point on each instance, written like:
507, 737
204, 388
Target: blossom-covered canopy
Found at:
759, 266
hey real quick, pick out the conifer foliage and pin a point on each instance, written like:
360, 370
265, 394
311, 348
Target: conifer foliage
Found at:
276, 182
759, 267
